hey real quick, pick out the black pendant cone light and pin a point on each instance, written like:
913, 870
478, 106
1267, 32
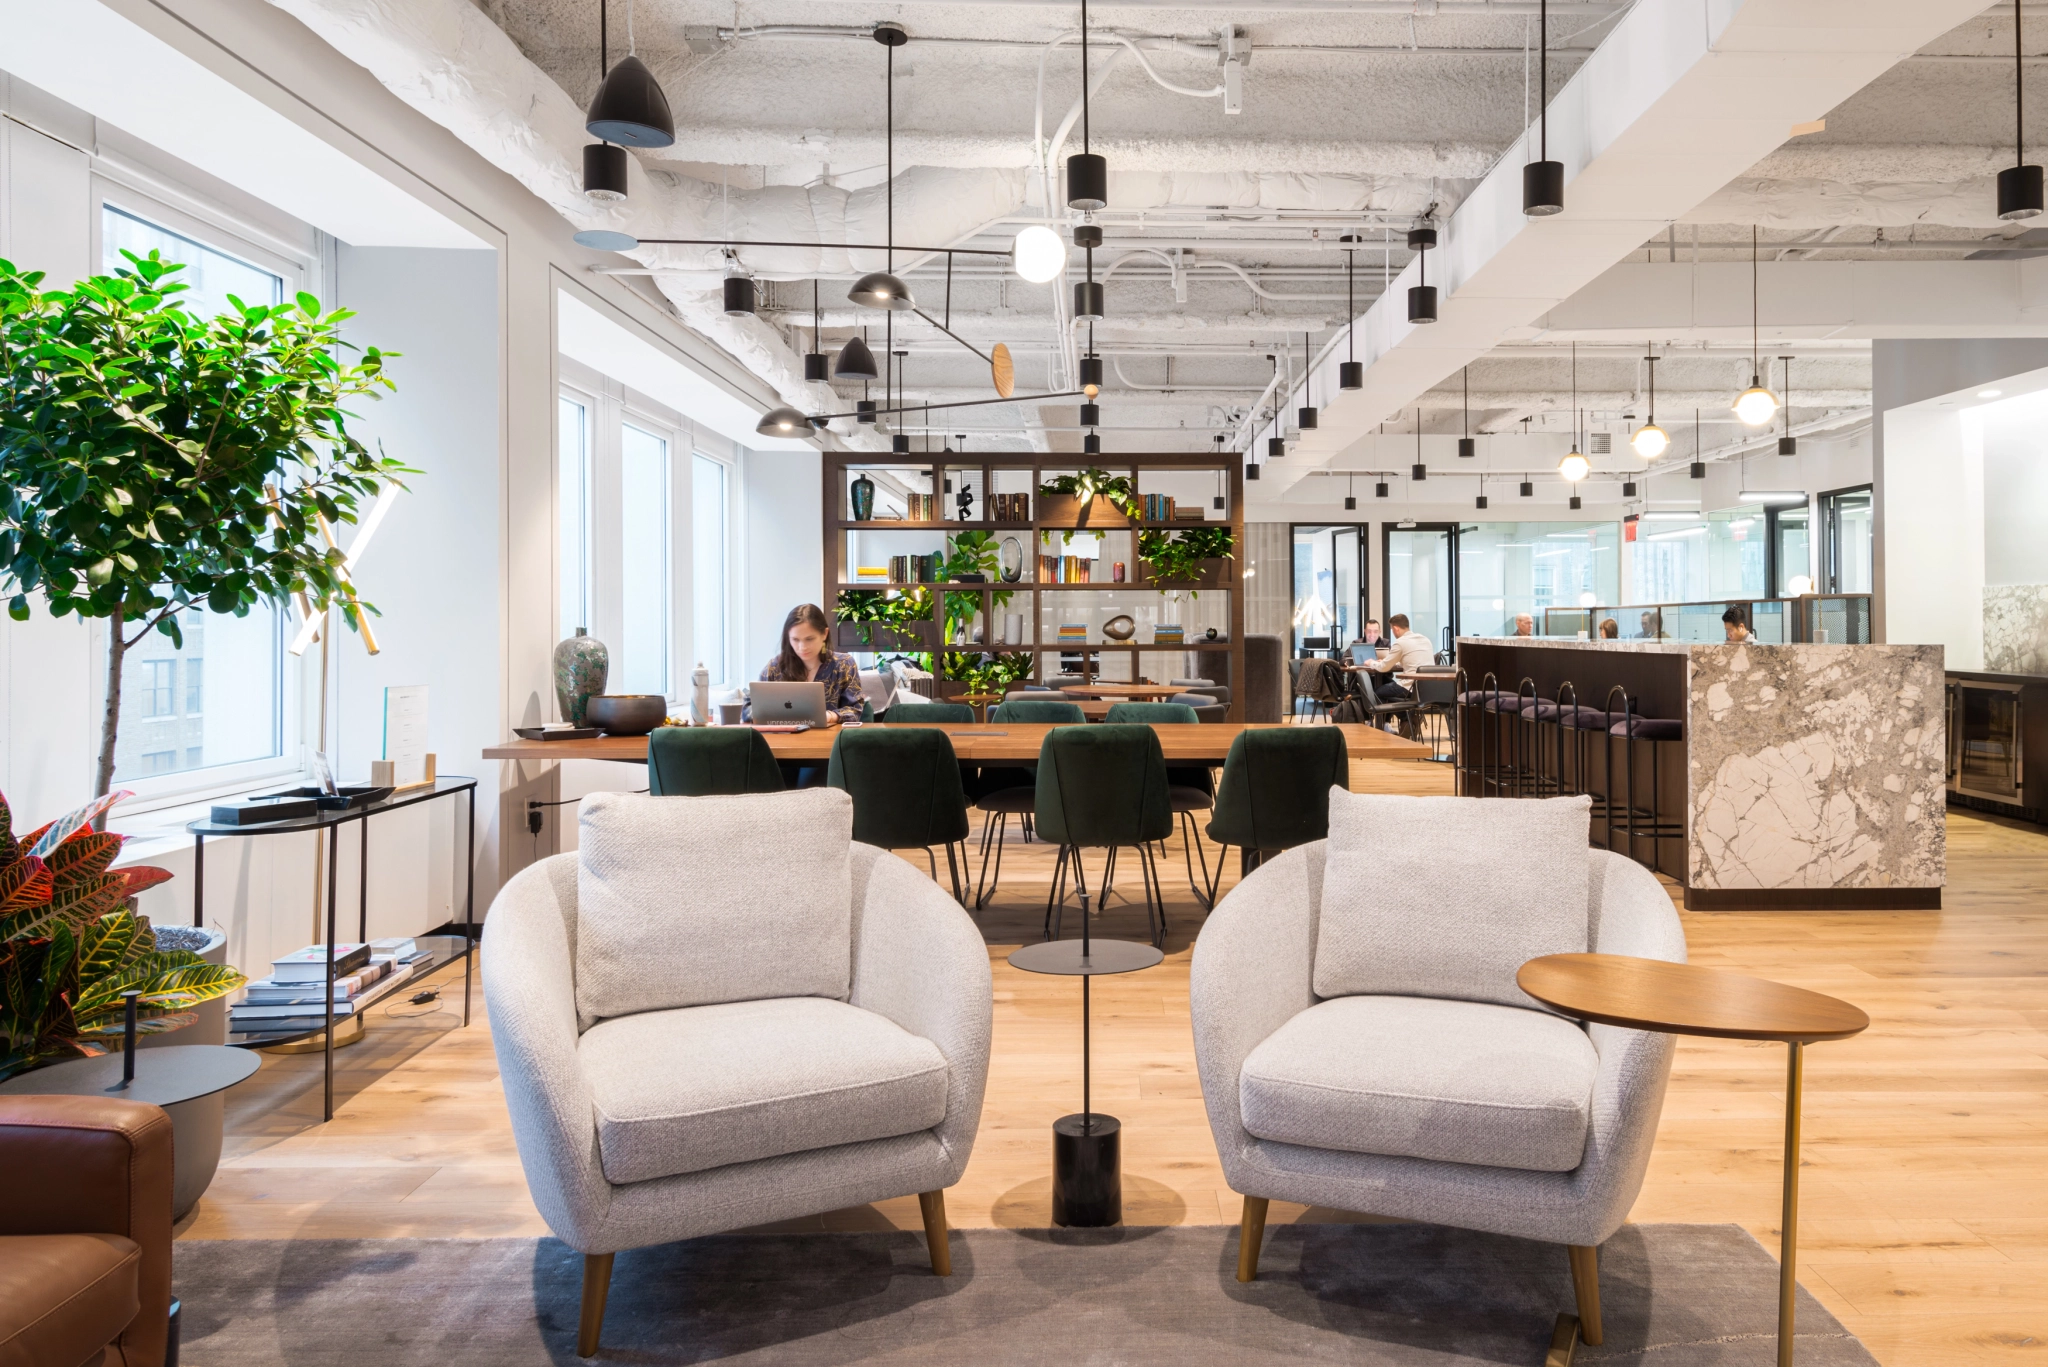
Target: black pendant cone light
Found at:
1788, 445
1305, 416
629, 107
881, 289
1543, 179
817, 365
2019, 185
1422, 296
1351, 374
856, 362
1467, 447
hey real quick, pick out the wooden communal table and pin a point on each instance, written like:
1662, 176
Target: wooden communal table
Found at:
1006, 743
1680, 999
1132, 692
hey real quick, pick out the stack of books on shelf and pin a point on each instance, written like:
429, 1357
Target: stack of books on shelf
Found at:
922, 507
1194, 514
1066, 569
1011, 507
1073, 633
1160, 508
1167, 634
291, 998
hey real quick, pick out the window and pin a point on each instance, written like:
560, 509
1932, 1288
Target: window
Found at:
1720, 556
1329, 584
644, 548
1506, 569
1846, 530
167, 729
709, 512
573, 500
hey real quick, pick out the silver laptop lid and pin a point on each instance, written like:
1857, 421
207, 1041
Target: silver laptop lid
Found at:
777, 703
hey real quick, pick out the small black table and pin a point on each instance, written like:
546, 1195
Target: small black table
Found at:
1087, 1158
164, 1076
331, 821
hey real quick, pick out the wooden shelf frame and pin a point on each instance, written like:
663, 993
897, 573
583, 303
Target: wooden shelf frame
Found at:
841, 467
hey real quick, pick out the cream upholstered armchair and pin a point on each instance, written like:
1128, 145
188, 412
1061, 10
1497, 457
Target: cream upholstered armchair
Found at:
1363, 1045
719, 1012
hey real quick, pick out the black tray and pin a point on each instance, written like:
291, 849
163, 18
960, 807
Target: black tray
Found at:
557, 733
254, 811
344, 798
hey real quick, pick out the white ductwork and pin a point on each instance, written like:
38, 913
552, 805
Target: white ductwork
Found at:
446, 59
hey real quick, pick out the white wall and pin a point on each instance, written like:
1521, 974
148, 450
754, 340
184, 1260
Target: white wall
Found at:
781, 553
1933, 473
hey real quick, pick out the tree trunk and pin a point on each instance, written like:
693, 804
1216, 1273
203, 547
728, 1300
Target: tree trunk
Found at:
110, 725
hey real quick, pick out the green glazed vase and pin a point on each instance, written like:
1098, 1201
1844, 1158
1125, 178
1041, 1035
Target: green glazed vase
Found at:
582, 665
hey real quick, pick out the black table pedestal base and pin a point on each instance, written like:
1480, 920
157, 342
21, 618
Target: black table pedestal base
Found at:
1087, 1171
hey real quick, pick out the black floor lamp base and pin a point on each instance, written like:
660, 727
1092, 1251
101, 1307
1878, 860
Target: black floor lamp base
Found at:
1087, 1171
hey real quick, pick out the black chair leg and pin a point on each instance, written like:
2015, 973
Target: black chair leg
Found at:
992, 827
1056, 895
953, 872
1191, 842
1216, 878
1155, 897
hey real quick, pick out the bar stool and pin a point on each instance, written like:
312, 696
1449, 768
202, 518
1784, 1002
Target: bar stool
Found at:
1640, 822
1483, 729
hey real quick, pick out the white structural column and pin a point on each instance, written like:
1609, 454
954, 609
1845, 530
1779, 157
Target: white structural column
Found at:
1683, 97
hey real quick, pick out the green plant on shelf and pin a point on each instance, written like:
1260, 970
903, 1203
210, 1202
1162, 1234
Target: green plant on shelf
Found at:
71, 944
1178, 556
992, 673
869, 608
1118, 489
971, 553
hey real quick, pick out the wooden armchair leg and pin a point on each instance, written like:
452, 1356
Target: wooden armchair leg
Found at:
933, 1204
1251, 1232
597, 1283
1586, 1285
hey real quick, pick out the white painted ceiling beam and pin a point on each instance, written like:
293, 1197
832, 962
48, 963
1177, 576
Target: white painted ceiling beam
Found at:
1680, 99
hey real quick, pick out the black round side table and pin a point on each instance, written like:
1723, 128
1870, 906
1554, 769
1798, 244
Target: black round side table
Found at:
1087, 1158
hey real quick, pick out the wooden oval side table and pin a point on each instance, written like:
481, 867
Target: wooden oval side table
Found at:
1681, 999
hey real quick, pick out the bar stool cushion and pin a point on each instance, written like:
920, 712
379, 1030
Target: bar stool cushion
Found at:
1487, 698
683, 1091
1588, 718
1649, 728
1507, 883
669, 917
1418, 1077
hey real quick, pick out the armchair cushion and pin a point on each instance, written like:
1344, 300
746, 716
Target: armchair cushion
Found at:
668, 917
1455, 892
64, 1297
686, 1090
1418, 1077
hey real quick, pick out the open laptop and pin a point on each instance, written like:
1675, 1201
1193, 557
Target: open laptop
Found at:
788, 704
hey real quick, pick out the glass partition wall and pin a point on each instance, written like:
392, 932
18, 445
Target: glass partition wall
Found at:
1847, 529
1478, 578
1329, 586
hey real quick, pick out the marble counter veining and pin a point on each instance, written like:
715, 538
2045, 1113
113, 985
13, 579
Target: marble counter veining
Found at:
1816, 766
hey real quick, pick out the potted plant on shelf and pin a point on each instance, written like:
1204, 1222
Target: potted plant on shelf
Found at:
1093, 498
1195, 557
888, 622
152, 461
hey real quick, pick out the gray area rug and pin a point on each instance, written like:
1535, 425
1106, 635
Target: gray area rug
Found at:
1403, 1295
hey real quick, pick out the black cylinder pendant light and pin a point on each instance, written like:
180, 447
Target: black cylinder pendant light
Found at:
1087, 174
2019, 185
864, 410
1699, 467
1088, 298
629, 107
1422, 296
1628, 488
1091, 445
1091, 375
739, 295
604, 172
1351, 374
881, 289
1543, 179
1379, 490
1527, 490
1091, 415
1788, 445
1418, 471
1276, 447
1577, 503
1467, 447
817, 365
1251, 470
1305, 416
1350, 495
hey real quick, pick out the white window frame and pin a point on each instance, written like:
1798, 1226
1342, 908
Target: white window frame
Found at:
298, 683
610, 406
733, 596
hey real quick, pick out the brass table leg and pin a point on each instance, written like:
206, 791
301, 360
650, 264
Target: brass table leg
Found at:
1788, 1281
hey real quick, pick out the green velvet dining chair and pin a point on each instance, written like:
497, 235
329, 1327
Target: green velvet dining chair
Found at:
1190, 788
1103, 787
1276, 791
708, 761
929, 713
1000, 793
905, 786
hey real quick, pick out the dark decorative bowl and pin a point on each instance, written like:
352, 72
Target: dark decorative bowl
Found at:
626, 714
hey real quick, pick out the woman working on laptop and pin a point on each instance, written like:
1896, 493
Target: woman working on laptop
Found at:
805, 658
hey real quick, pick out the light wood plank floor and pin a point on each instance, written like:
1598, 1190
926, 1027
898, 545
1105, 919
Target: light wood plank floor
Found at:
1925, 1206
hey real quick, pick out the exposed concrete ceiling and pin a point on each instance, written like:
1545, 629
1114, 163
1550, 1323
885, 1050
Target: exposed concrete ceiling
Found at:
1220, 242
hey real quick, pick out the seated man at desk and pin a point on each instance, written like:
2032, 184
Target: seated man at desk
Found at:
1736, 625
1410, 651
1525, 624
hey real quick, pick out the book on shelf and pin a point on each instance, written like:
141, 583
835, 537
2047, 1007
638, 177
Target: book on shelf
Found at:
1189, 515
310, 964
242, 1014
400, 949
1167, 634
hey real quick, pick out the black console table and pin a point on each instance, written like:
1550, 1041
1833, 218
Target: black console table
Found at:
331, 822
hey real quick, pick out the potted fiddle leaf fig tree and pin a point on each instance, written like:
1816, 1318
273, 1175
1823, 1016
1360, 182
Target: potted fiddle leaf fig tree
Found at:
153, 461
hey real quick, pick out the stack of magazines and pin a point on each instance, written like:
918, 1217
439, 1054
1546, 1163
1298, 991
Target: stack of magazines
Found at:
293, 996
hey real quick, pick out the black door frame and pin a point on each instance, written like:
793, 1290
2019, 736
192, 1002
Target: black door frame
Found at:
1829, 519
1773, 571
1364, 605
1451, 628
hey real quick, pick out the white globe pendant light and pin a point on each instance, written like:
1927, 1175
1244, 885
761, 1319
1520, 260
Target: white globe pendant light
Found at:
1755, 405
1039, 254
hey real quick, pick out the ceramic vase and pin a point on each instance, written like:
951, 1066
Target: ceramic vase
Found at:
863, 493
582, 665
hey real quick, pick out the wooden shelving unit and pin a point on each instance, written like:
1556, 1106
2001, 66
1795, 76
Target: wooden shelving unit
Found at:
1030, 596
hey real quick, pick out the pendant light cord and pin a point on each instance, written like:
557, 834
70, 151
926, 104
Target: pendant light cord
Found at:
1468, 400
1084, 75
2019, 92
1350, 304
889, 122
1755, 350
604, 58
1543, 76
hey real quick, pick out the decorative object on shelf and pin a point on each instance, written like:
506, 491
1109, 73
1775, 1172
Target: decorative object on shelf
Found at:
1168, 634
627, 714
1121, 627
582, 665
1117, 572
69, 946
862, 495
1011, 557
1209, 635
406, 761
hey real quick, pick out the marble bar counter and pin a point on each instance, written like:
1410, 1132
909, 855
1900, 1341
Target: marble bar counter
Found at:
1808, 776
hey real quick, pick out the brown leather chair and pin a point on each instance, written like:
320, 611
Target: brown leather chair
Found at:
85, 1232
